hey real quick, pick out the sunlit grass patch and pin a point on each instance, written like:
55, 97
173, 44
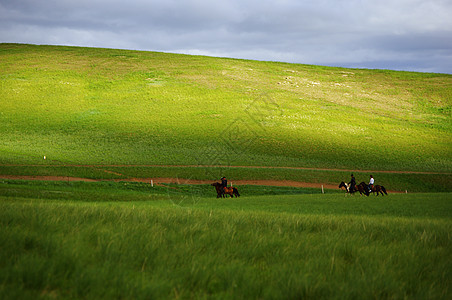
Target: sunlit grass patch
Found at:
85, 105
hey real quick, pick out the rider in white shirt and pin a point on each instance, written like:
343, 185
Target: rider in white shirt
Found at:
371, 183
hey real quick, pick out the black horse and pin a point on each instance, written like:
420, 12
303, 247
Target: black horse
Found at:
219, 189
379, 189
222, 192
358, 188
344, 185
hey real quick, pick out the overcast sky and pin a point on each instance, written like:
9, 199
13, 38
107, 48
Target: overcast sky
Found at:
414, 35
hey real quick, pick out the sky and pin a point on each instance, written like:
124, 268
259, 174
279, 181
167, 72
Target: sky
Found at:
411, 35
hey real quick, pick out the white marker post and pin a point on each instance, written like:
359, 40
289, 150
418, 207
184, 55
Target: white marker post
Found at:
322, 190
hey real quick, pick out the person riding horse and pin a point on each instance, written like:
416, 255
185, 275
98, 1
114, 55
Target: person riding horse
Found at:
224, 182
223, 189
352, 184
371, 183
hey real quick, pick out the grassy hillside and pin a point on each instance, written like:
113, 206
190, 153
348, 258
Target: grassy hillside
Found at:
103, 106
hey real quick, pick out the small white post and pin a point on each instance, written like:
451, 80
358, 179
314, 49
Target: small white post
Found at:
231, 183
406, 191
152, 183
322, 190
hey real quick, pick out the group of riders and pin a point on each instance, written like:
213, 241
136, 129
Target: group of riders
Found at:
352, 184
351, 188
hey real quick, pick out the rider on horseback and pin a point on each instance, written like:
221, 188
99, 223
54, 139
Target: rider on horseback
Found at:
371, 183
224, 182
352, 184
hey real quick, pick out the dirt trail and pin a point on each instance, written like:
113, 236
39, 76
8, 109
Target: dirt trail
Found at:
173, 180
46, 178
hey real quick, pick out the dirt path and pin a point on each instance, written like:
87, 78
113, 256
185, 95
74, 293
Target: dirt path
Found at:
46, 178
173, 180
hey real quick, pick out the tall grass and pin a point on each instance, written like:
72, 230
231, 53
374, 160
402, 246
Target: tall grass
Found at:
299, 247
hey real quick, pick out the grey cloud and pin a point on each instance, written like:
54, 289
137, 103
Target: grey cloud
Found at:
403, 34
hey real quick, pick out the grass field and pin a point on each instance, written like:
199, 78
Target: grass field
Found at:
115, 116
123, 240
85, 106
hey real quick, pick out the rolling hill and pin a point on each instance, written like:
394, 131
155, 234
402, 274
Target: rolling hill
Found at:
106, 113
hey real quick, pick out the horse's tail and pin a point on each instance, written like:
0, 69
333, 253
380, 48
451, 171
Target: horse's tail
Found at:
384, 190
236, 191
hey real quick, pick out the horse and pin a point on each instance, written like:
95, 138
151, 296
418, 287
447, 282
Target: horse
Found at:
219, 189
231, 191
379, 189
358, 188
344, 185
221, 192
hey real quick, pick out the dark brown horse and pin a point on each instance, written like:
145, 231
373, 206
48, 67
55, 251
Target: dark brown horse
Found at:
219, 189
379, 189
222, 192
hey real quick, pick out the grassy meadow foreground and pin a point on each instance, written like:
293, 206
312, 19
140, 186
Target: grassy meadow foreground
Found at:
125, 240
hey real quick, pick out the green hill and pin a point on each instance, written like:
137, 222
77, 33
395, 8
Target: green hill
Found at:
88, 106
